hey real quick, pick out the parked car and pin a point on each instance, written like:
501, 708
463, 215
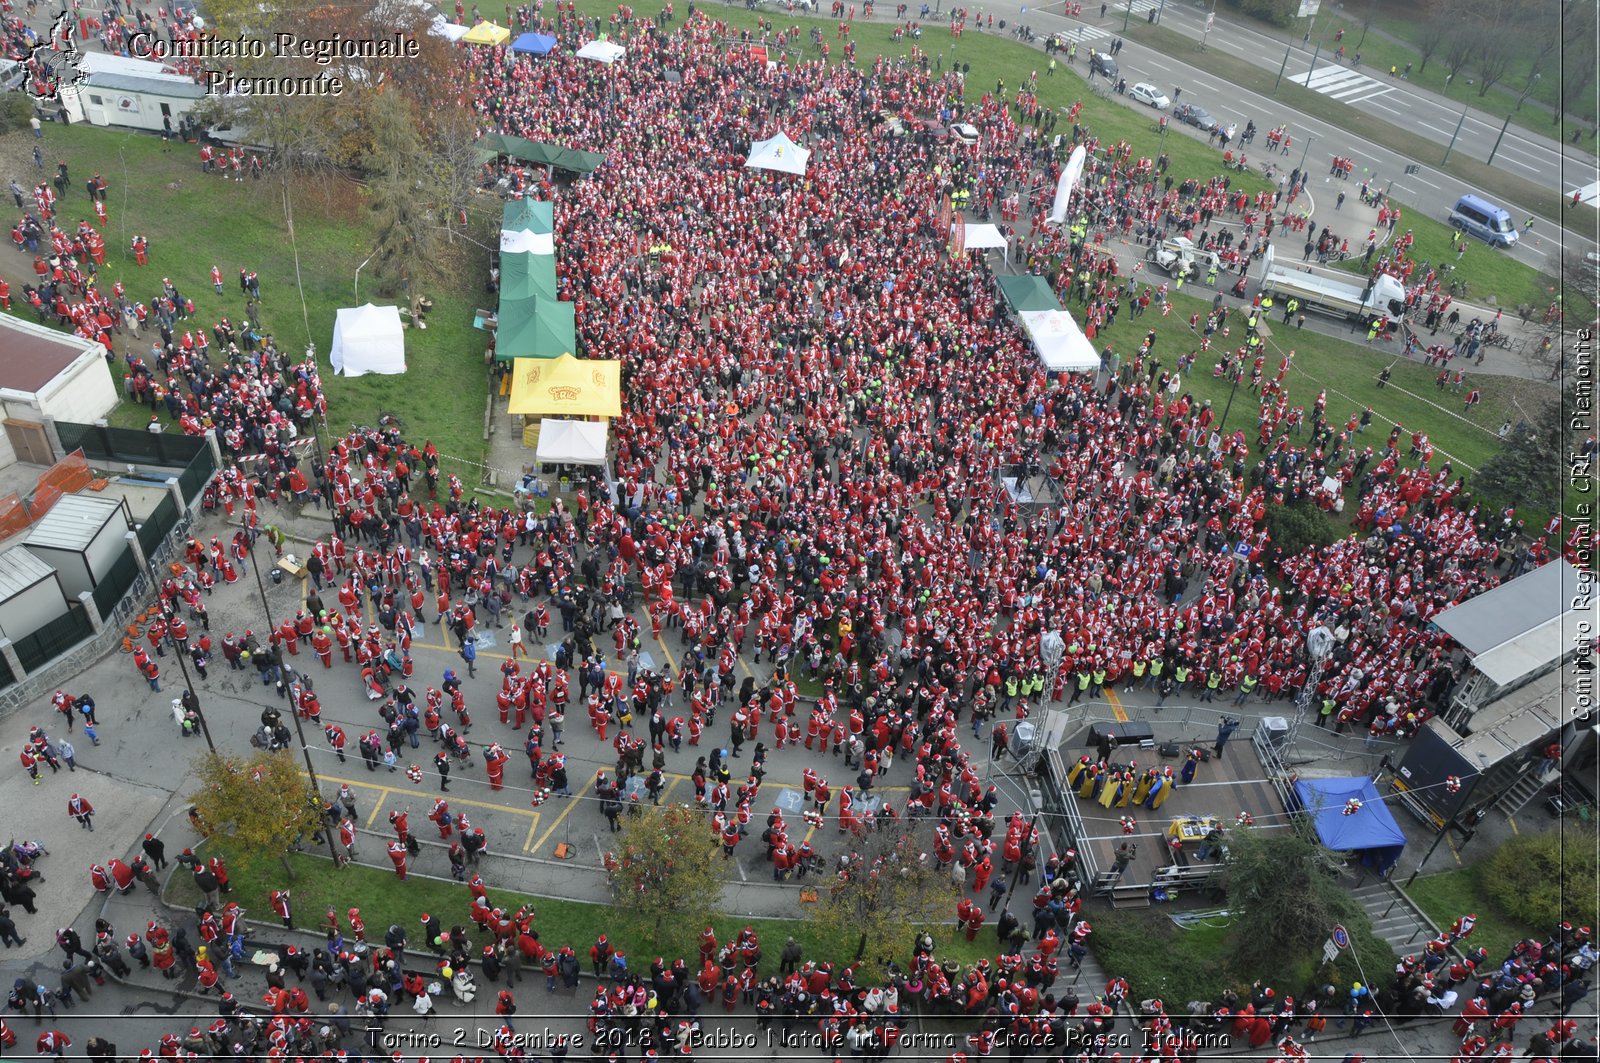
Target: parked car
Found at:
1195, 116
1144, 92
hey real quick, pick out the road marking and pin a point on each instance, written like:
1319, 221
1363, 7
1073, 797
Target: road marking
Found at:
1116, 705
1386, 107
1207, 85
1514, 829
572, 803
387, 791
1430, 184
1453, 850
527, 843
1371, 96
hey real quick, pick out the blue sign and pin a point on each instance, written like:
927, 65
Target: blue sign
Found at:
1341, 937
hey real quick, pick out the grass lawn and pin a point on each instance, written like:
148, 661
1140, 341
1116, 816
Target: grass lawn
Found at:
1450, 894
1492, 181
1380, 52
195, 221
318, 885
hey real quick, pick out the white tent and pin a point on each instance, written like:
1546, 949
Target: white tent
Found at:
602, 52
368, 339
983, 237
450, 31
1061, 344
572, 442
780, 154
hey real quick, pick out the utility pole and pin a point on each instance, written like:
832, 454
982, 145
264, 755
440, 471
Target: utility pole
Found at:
1211, 17
1313, 69
1451, 146
1304, 154
182, 667
1285, 66
1127, 13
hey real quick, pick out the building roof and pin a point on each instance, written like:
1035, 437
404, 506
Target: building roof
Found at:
182, 90
73, 522
20, 570
97, 63
1521, 625
35, 355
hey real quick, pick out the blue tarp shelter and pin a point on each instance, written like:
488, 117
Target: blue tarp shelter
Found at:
1372, 834
533, 44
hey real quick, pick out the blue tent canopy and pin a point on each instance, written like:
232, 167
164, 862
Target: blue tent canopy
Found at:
533, 44
1371, 833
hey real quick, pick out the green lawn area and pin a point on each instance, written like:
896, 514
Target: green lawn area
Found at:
195, 221
1494, 182
1450, 894
318, 885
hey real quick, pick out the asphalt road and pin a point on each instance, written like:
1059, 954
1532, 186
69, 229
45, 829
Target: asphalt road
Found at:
1528, 155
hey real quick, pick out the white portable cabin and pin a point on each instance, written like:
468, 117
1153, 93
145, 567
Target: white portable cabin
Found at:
30, 594
134, 93
81, 537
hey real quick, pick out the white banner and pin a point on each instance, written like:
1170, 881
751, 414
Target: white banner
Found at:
1069, 180
525, 241
1309, 8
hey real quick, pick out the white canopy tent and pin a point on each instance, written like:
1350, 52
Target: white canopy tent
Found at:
1061, 344
605, 52
368, 339
450, 31
572, 442
986, 237
780, 154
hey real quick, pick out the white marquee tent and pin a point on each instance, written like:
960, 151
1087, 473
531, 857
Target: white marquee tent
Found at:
780, 154
983, 237
605, 52
450, 31
526, 241
1061, 344
572, 442
368, 339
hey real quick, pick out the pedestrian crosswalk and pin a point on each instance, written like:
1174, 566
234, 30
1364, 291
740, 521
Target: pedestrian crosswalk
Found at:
1140, 6
1341, 83
1083, 35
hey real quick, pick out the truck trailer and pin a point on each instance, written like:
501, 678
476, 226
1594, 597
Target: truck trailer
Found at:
1342, 295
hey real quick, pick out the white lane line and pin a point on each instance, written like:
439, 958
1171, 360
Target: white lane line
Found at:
1373, 96
1430, 184
1207, 85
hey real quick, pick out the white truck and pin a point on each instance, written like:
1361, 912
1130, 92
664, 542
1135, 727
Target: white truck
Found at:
1179, 257
1343, 295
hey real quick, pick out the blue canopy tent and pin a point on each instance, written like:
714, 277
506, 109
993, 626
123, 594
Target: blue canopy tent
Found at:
533, 44
1371, 833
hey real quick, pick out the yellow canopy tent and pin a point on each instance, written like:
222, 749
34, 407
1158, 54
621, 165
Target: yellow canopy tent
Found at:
566, 387
487, 33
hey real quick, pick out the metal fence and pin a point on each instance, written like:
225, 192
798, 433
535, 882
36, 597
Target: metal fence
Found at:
54, 639
104, 443
155, 527
192, 480
7, 676
115, 583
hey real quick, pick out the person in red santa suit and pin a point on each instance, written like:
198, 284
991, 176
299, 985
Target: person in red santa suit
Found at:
494, 764
398, 856
440, 815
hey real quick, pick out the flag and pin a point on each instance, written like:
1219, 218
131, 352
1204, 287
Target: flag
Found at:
1069, 179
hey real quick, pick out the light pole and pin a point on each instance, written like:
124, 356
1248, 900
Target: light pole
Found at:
1211, 16
1313, 69
177, 651
1304, 154
1127, 13
1496, 149
1451, 146
294, 709
1282, 67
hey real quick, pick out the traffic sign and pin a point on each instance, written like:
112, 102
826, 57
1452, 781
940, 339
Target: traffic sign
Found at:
1341, 937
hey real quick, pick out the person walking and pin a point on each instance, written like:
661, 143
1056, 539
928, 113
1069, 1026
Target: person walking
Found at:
8, 930
82, 811
1225, 731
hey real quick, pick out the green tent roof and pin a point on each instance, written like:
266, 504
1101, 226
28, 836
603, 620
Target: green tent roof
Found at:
535, 328
548, 154
527, 275
531, 214
1027, 292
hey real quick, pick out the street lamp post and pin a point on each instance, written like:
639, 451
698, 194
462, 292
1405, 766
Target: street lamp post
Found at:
1304, 155
1282, 67
294, 710
1127, 13
1451, 146
182, 667
1496, 149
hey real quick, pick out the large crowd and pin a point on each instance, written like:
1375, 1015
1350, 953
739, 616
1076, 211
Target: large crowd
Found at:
820, 400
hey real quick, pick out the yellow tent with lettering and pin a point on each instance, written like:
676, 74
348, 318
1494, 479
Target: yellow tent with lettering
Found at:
487, 33
566, 387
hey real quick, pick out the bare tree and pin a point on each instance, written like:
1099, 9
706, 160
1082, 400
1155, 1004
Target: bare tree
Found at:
1432, 32
1578, 57
1460, 44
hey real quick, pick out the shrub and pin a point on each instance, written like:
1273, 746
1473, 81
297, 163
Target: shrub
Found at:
15, 110
1546, 878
